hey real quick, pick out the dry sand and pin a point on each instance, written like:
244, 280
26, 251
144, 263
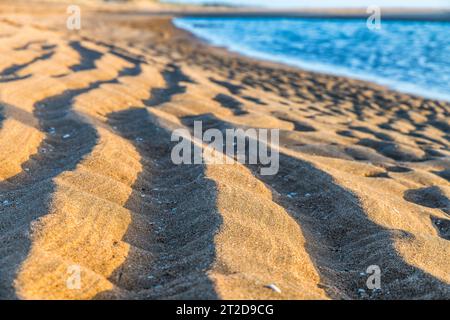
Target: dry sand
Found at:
86, 177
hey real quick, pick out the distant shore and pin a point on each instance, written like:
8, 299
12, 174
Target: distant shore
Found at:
238, 12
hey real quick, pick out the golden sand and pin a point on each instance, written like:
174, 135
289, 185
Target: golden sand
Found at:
86, 177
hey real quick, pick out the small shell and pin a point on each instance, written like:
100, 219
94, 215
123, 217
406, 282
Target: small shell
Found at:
274, 287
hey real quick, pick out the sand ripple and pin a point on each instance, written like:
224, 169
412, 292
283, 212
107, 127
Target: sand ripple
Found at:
86, 178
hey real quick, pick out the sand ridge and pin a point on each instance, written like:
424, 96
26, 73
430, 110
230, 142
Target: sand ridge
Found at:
87, 180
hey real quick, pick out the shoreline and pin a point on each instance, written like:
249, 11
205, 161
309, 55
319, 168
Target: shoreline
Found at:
438, 15
317, 67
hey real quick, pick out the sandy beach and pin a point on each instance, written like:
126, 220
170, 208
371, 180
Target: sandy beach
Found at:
87, 181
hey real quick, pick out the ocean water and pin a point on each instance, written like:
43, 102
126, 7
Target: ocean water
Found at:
408, 56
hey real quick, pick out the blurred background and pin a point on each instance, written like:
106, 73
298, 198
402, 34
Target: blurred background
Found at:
326, 3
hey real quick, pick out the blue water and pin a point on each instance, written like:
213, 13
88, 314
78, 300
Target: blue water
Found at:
412, 57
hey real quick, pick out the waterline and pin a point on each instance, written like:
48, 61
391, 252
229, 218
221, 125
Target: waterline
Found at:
409, 57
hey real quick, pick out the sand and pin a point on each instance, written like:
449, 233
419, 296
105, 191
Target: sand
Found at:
87, 182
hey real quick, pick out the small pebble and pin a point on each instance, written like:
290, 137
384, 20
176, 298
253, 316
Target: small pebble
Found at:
139, 139
291, 194
307, 194
66, 136
274, 287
